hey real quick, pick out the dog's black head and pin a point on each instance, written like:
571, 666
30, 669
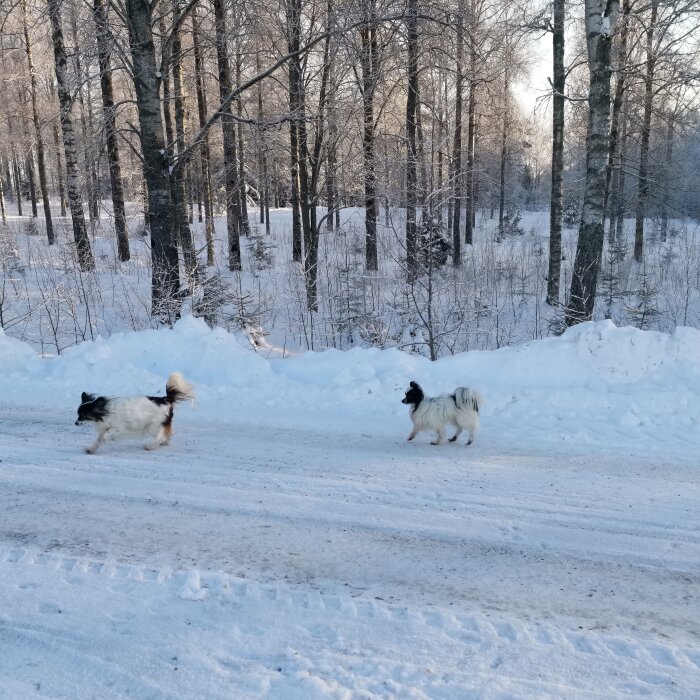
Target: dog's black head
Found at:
92, 408
414, 395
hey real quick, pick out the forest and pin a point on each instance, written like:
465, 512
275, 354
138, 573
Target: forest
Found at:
433, 175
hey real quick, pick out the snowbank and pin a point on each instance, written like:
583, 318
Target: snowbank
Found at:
595, 385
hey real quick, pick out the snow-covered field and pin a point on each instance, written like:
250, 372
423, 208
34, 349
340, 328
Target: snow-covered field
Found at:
290, 544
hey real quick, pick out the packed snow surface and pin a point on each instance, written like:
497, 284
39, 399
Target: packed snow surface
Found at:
289, 543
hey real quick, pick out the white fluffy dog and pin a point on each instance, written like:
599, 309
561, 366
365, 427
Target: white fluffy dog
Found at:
134, 415
460, 409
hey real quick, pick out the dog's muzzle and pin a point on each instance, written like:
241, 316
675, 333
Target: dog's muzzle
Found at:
78, 422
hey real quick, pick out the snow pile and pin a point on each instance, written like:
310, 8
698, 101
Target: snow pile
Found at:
597, 385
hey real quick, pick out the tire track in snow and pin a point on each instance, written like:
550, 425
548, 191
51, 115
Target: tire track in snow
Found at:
493, 642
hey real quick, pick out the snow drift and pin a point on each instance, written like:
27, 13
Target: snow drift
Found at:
597, 385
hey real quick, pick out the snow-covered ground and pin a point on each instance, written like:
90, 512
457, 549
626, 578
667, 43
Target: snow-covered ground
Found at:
290, 544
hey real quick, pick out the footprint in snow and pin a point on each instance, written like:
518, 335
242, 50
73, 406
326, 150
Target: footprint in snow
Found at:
49, 609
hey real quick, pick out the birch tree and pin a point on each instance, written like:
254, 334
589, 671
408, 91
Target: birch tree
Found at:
75, 202
600, 22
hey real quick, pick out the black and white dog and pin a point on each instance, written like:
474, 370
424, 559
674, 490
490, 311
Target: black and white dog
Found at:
460, 409
135, 415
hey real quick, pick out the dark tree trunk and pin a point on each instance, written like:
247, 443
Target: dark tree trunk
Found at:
411, 150
297, 105
245, 222
40, 152
617, 219
471, 147
104, 49
643, 189
620, 88
91, 178
456, 175
59, 168
18, 187
205, 154
165, 273
3, 212
29, 170
264, 176
297, 245
315, 165
423, 193
228, 128
504, 151
502, 178
178, 175
80, 234
369, 63
600, 21
557, 194
667, 192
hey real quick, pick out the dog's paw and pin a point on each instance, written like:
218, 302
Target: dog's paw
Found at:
150, 446
90, 450
469, 442
435, 442
409, 438
453, 439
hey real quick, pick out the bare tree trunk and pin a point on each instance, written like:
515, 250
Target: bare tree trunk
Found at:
245, 222
205, 154
411, 150
228, 128
297, 245
643, 190
104, 48
17, 179
40, 153
502, 176
557, 194
309, 165
59, 168
80, 234
471, 148
620, 88
330, 182
178, 175
617, 220
146, 76
668, 164
600, 23
91, 178
369, 63
297, 104
3, 211
504, 145
29, 170
264, 174
315, 165
456, 175
423, 193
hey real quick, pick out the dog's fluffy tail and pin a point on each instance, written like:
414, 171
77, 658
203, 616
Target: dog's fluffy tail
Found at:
468, 399
179, 389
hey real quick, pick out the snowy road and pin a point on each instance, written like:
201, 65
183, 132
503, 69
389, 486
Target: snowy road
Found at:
359, 565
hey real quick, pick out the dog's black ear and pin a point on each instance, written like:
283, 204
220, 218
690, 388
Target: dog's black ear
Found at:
414, 385
85, 397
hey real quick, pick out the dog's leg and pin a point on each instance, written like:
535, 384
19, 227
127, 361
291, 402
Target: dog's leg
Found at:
440, 437
99, 440
160, 439
412, 435
456, 435
471, 437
